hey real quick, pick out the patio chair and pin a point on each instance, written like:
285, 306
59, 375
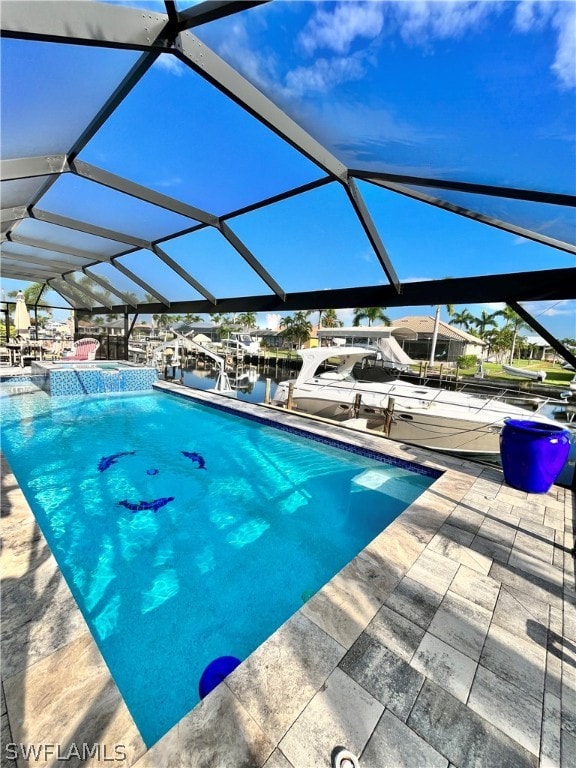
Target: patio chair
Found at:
5, 356
83, 349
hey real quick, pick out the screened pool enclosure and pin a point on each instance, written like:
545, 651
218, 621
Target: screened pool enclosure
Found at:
221, 156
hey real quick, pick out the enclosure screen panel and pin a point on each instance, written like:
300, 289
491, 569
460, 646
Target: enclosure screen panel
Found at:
210, 259
312, 243
199, 146
46, 103
79, 198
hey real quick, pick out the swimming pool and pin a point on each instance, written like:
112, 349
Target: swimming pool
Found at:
186, 532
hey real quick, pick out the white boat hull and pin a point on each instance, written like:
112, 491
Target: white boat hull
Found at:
428, 430
433, 418
524, 373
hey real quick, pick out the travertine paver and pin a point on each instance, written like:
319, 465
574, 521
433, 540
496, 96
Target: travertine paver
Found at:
462, 624
527, 584
567, 748
415, 601
218, 732
395, 745
550, 745
515, 660
460, 734
290, 666
534, 540
434, 571
450, 641
537, 570
481, 590
447, 666
453, 542
277, 760
466, 518
524, 618
568, 696
48, 702
506, 707
341, 712
390, 679
396, 632
502, 531
493, 549
344, 607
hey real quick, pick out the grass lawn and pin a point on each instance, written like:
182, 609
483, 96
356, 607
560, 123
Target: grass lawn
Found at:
555, 374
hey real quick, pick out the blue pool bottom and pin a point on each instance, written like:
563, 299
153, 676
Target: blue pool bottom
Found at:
249, 520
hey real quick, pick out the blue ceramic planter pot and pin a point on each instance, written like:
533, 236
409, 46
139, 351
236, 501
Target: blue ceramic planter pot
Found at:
533, 454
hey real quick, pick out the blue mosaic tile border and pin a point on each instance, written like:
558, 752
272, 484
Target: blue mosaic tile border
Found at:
90, 381
367, 452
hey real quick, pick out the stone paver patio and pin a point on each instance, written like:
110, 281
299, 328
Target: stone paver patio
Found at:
450, 640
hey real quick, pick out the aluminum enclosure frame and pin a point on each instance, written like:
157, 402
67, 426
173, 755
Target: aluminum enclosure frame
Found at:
168, 34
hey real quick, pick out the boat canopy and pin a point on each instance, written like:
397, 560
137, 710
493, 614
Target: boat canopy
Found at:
367, 332
392, 352
347, 357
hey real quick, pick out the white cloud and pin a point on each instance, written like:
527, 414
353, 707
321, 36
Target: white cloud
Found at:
336, 30
171, 181
323, 75
346, 316
564, 66
258, 67
532, 14
338, 45
273, 322
556, 309
374, 123
420, 21
535, 15
170, 64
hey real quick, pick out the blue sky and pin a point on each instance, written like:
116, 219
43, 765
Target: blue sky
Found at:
476, 91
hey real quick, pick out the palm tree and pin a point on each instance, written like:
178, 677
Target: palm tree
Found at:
330, 319
163, 321
463, 319
320, 314
371, 314
327, 318
515, 323
247, 319
31, 294
218, 317
192, 318
297, 328
485, 321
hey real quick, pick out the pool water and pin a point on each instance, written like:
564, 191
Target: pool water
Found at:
187, 533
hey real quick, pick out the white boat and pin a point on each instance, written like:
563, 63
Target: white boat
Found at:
364, 394
524, 373
240, 344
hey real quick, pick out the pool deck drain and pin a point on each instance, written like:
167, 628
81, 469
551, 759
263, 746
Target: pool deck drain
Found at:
450, 640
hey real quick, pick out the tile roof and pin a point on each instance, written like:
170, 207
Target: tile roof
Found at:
424, 324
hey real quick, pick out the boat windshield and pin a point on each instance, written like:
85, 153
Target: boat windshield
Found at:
372, 369
342, 373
